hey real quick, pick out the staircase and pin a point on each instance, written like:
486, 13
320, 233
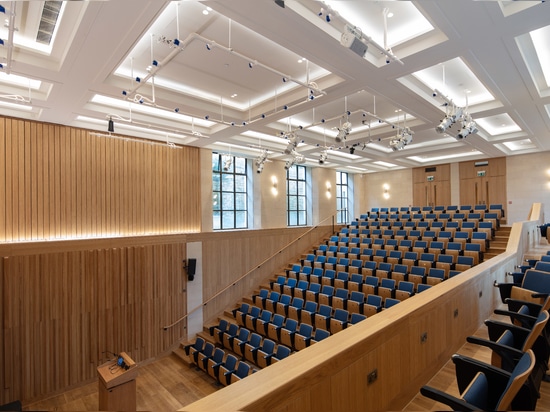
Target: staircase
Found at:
499, 243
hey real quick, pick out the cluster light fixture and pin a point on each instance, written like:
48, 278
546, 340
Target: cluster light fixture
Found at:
260, 161
454, 115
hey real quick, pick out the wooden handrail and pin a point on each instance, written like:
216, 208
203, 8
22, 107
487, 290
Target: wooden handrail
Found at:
248, 273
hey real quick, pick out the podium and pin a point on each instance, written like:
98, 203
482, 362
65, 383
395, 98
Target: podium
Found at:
117, 384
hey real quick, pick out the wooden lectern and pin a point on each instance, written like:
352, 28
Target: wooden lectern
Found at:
117, 384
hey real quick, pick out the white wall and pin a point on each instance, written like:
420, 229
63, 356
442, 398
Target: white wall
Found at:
527, 182
270, 196
323, 200
399, 184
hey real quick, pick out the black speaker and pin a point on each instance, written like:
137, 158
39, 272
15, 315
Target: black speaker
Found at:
191, 267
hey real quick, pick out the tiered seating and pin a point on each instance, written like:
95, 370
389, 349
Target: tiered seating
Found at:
383, 258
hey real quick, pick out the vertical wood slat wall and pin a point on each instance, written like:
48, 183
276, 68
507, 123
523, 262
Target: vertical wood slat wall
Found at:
59, 182
62, 311
64, 305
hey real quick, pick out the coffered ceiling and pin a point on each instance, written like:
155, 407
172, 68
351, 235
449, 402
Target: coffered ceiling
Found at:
241, 76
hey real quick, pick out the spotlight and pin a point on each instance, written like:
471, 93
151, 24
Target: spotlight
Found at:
280, 3
343, 132
400, 141
445, 124
449, 120
351, 150
323, 158
396, 144
227, 164
289, 164
467, 128
111, 126
260, 160
208, 47
292, 143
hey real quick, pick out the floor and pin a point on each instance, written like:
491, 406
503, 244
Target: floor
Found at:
169, 384
166, 384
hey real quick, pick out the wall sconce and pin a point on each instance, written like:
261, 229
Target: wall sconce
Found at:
274, 190
329, 189
386, 193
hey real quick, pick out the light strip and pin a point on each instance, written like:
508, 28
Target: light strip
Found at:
153, 111
540, 41
16, 106
452, 156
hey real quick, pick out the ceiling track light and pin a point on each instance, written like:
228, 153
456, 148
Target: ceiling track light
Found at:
210, 44
260, 160
456, 114
111, 125
10, 24
343, 132
324, 156
357, 37
227, 164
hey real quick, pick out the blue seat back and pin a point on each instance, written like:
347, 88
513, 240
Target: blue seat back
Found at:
371, 280
242, 370
389, 302
282, 352
436, 273
341, 293
341, 315
406, 286
243, 334
291, 325
268, 346
356, 318
265, 316
305, 330
310, 306
387, 283
374, 300
278, 320
418, 270
320, 334
357, 296
537, 281
327, 290
325, 310
542, 266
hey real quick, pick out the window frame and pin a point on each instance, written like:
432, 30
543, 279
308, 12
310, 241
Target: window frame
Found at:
228, 188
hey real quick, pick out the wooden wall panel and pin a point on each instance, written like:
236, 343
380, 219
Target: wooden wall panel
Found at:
62, 311
60, 182
433, 193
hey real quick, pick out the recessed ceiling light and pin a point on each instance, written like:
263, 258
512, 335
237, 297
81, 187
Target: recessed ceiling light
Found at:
234, 95
390, 14
205, 12
209, 8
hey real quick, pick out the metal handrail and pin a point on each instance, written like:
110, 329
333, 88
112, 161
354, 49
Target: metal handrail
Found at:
248, 273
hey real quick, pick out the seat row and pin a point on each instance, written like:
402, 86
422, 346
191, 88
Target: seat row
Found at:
222, 366
398, 269
520, 353
302, 326
352, 259
495, 208
392, 242
418, 229
376, 220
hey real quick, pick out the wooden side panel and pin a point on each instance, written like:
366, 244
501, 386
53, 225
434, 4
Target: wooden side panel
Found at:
59, 182
432, 188
63, 313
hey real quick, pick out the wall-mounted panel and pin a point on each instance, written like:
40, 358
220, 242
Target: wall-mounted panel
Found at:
60, 182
